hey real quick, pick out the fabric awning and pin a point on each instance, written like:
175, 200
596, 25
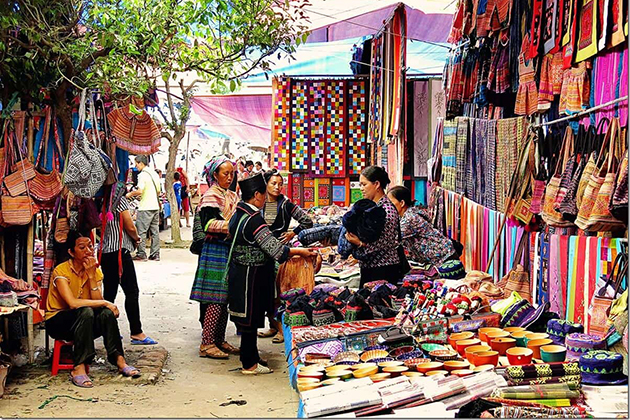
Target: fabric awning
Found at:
241, 117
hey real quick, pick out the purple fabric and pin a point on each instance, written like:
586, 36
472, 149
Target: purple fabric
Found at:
611, 72
433, 27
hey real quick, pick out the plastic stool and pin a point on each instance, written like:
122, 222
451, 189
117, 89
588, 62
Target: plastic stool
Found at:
57, 363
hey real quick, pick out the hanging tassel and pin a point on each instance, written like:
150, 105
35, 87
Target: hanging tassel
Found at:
110, 216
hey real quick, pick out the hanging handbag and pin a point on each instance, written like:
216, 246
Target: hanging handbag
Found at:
601, 303
601, 220
618, 206
549, 214
15, 179
538, 174
605, 165
518, 279
45, 187
86, 166
62, 225
568, 206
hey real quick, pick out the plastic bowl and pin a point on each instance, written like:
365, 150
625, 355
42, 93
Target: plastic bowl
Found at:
501, 344
346, 356
401, 350
395, 370
427, 367
341, 374
486, 358
535, 345
365, 372
483, 368
519, 336
485, 330
553, 353
444, 355
437, 372
370, 355
455, 337
513, 329
496, 334
452, 365
463, 344
519, 356
378, 377
411, 355
390, 363
363, 365
412, 374
462, 372
413, 363
470, 351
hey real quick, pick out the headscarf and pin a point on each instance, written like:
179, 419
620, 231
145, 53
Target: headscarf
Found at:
211, 167
223, 199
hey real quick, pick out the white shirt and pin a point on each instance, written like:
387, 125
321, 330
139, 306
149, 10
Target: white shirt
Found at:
149, 183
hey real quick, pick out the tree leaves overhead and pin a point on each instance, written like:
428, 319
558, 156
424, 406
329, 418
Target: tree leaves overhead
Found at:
126, 45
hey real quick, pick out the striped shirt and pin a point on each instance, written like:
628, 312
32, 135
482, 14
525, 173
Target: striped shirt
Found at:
111, 240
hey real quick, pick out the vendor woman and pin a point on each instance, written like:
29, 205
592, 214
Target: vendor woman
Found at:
278, 212
77, 312
251, 279
210, 286
422, 242
383, 259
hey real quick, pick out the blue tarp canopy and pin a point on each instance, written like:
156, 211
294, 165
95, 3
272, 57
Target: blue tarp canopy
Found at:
334, 58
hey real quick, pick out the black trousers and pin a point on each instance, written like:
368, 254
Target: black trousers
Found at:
129, 283
249, 348
83, 326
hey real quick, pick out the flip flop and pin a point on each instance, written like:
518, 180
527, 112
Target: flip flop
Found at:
146, 342
277, 339
270, 333
80, 381
129, 370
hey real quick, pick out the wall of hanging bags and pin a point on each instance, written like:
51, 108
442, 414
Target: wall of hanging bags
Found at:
527, 57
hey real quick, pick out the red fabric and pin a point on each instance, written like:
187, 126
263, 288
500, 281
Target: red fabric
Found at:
241, 117
563, 270
580, 282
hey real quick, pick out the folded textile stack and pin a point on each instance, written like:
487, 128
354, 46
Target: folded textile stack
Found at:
537, 392
545, 373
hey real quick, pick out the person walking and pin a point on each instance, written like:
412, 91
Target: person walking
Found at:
118, 241
185, 194
148, 218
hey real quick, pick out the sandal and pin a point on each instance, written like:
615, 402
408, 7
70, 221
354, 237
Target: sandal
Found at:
213, 352
260, 370
229, 349
278, 338
81, 381
130, 372
270, 333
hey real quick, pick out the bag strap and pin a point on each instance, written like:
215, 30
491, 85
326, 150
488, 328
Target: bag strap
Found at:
229, 260
157, 193
81, 124
567, 147
603, 289
45, 135
520, 250
622, 272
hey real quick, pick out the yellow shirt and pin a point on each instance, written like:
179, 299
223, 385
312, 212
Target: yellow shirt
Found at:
79, 287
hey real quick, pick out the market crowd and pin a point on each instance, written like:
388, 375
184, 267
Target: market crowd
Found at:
244, 229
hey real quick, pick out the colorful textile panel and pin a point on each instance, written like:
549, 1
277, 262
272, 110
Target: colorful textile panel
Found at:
300, 127
281, 122
355, 192
297, 188
341, 192
357, 104
376, 91
335, 129
449, 161
324, 192
308, 192
317, 96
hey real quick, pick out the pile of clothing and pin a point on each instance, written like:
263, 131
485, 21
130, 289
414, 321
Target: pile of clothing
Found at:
15, 292
328, 303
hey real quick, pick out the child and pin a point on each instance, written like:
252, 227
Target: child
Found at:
177, 187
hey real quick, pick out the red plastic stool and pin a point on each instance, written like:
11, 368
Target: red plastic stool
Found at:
59, 364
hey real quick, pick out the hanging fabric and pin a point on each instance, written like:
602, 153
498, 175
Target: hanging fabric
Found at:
587, 39
357, 130
300, 129
281, 122
318, 124
549, 31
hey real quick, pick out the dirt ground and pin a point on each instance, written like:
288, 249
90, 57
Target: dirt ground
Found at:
189, 386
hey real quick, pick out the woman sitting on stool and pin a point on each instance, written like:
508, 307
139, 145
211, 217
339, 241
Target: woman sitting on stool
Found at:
76, 311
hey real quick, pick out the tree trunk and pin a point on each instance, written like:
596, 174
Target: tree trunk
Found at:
176, 235
63, 112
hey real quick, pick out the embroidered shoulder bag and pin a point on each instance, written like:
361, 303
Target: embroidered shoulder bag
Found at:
87, 166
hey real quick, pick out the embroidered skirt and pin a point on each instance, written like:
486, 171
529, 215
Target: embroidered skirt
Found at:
209, 285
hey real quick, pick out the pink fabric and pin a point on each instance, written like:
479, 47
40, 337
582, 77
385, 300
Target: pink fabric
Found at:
609, 80
241, 117
553, 284
433, 27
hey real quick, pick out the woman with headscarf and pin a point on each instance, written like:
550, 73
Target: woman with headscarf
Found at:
251, 270
278, 213
210, 231
422, 242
